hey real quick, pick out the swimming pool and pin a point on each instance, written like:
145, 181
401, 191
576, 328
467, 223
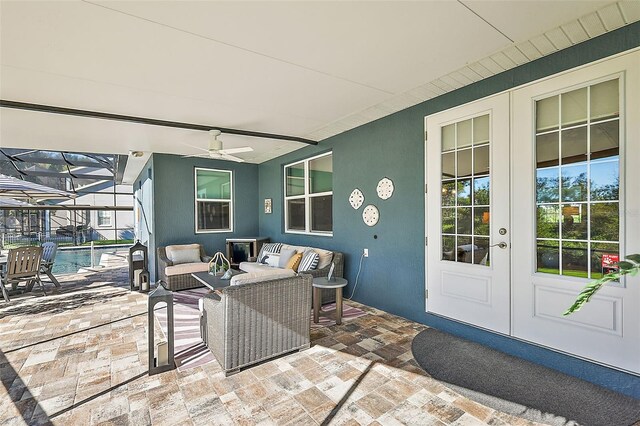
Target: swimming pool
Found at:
68, 261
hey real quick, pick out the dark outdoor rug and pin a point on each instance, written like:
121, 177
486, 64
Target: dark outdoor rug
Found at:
515, 386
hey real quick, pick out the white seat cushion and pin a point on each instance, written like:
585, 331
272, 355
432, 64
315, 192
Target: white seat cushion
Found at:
186, 253
254, 277
186, 268
256, 267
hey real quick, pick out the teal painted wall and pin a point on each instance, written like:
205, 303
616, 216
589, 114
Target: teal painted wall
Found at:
392, 277
174, 208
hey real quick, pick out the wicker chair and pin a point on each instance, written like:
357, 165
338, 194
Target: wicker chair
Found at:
250, 323
181, 281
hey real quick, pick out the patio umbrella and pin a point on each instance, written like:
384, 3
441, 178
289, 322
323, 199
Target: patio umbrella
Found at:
16, 188
10, 202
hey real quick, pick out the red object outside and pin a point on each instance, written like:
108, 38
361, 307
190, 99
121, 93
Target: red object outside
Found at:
609, 259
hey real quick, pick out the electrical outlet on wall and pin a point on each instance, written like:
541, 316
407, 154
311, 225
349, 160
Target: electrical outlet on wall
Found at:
366, 252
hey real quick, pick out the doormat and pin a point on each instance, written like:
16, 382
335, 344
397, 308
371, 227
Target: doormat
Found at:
519, 387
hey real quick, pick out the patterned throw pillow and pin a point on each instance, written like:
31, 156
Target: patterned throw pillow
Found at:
270, 247
309, 261
294, 262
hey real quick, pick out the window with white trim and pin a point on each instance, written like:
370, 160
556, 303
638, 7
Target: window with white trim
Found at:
308, 201
104, 218
214, 200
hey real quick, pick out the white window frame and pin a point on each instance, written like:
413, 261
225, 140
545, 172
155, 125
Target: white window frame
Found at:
110, 217
306, 196
197, 200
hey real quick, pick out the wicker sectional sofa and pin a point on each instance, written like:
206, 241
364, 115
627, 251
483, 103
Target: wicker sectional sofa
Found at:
248, 323
337, 258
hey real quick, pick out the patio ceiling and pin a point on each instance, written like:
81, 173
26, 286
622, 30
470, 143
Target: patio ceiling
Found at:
306, 69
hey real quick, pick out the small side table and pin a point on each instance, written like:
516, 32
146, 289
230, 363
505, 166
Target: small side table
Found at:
320, 283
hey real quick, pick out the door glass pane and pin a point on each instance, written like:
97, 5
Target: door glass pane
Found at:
449, 137
449, 247
575, 259
464, 163
548, 220
603, 255
548, 256
464, 250
466, 184
481, 219
605, 222
449, 193
463, 134
574, 145
605, 139
448, 221
574, 221
547, 114
481, 160
481, 191
574, 107
464, 192
448, 165
605, 180
547, 149
481, 130
604, 100
481, 251
577, 204
548, 185
574, 182
464, 220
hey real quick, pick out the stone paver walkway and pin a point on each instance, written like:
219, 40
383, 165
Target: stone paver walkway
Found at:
78, 357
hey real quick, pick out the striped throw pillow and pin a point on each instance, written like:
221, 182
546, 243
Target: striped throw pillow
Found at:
309, 261
271, 248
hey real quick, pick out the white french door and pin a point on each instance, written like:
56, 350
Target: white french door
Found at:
468, 210
576, 205
552, 169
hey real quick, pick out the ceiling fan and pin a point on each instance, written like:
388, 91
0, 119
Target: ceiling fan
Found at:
217, 152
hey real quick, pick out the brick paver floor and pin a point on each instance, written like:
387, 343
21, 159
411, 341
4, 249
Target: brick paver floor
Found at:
79, 357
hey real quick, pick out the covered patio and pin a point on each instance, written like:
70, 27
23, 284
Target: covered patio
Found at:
79, 357
460, 169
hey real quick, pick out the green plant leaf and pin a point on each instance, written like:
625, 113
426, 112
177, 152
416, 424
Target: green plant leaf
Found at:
634, 257
624, 265
625, 268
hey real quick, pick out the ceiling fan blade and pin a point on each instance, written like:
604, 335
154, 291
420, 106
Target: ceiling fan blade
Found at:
232, 158
236, 150
195, 155
196, 147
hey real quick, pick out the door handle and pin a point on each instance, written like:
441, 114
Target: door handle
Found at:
501, 244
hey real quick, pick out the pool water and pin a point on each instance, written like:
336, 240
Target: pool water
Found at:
68, 261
